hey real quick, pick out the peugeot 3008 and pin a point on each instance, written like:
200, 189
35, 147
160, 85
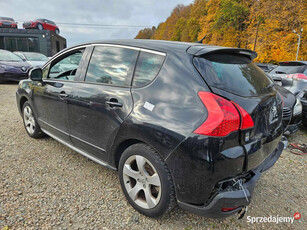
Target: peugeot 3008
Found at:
183, 123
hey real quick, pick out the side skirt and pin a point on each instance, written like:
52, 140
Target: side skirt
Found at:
79, 151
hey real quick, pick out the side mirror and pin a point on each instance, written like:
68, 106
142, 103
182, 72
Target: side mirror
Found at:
36, 74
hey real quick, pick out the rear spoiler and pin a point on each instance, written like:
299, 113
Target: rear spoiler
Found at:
200, 50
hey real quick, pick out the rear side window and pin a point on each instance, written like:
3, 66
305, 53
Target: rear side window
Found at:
147, 68
111, 65
236, 74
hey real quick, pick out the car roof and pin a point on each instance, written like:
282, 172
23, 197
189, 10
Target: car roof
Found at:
193, 48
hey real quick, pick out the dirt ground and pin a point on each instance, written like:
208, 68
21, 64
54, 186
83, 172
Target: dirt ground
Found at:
45, 185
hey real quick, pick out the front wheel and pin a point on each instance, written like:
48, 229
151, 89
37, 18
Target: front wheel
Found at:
57, 31
30, 123
146, 181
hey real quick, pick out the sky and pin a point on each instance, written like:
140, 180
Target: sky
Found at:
104, 12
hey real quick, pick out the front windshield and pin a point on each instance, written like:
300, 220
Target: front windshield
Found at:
35, 57
9, 56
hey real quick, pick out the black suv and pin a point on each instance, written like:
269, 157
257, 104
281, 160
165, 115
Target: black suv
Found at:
182, 123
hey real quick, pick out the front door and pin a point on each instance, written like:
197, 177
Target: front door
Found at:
51, 97
99, 105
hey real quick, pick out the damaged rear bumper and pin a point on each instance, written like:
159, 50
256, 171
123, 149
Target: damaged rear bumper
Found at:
235, 196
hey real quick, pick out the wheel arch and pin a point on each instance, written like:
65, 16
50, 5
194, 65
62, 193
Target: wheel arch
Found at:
22, 101
121, 147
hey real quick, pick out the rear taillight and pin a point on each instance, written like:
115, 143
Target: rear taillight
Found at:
247, 122
223, 117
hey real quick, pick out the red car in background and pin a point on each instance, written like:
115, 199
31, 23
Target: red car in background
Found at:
41, 24
7, 23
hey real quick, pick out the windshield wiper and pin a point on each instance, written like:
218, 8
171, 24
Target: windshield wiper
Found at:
280, 72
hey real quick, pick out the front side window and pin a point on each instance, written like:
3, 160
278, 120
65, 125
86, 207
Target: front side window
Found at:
147, 68
111, 65
66, 68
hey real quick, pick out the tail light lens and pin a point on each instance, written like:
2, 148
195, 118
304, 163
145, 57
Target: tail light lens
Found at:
247, 121
223, 116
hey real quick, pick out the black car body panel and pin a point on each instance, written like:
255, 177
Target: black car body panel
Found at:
233, 196
163, 114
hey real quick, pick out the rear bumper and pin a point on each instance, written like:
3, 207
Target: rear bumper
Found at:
236, 198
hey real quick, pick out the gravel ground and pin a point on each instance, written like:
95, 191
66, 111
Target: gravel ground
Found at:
45, 185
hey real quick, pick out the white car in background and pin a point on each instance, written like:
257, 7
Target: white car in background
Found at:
35, 59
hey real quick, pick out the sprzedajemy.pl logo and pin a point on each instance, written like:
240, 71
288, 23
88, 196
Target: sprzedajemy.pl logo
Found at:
273, 219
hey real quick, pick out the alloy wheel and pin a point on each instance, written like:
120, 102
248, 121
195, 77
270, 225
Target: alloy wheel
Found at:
29, 119
142, 181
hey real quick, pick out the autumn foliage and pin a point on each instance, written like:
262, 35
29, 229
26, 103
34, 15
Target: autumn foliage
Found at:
235, 23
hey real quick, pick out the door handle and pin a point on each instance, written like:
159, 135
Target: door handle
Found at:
63, 95
113, 102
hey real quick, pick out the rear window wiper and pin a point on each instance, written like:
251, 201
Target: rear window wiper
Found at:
280, 72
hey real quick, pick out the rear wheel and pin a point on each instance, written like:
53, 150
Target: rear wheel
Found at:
57, 31
40, 26
32, 127
146, 181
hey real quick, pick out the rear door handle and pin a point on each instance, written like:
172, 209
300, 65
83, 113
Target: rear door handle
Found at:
113, 102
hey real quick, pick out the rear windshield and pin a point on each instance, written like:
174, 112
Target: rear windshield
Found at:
233, 73
288, 69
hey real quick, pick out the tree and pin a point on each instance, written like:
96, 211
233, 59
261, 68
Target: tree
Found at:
235, 23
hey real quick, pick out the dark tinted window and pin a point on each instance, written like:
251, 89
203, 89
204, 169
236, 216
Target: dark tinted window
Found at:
11, 44
1, 42
110, 65
147, 67
22, 44
33, 44
233, 73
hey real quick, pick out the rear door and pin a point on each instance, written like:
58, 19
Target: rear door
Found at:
237, 78
99, 105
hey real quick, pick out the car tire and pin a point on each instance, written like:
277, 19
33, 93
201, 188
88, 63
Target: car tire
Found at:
57, 31
30, 123
39, 26
149, 187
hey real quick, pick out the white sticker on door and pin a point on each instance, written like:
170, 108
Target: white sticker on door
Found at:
149, 106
